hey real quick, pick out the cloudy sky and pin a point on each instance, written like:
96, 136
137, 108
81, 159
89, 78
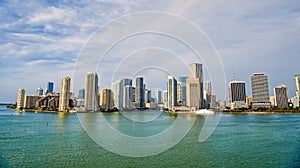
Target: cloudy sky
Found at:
41, 41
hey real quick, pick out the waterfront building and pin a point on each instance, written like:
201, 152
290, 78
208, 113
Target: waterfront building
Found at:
30, 101
48, 102
118, 90
237, 94
249, 100
179, 94
208, 87
273, 101
193, 93
182, 82
106, 100
127, 97
260, 91
91, 92
158, 97
81, 93
50, 88
165, 98
64, 94
222, 104
213, 102
21, 97
39, 91
194, 87
297, 90
172, 93
147, 95
139, 93
281, 96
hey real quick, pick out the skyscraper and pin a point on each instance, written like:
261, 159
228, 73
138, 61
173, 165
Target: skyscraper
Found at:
297, 85
147, 95
281, 96
194, 87
237, 94
106, 100
39, 91
172, 93
118, 90
208, 87
139, 93
179, 94
207, 94
91, 92
127, 97
182, 82
81, 94
21, 98
50, 87
260, 90
64, 96
158, 97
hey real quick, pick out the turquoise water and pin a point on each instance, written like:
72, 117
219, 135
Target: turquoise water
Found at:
58, 140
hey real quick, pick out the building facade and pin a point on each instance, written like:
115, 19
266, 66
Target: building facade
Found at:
91, 92
50, 88
172, 93
194, 87
21, 98
64, 94
139, 93
237, 94
260, 91
281, 96
182, 82
106, 100
127, 97
118, 90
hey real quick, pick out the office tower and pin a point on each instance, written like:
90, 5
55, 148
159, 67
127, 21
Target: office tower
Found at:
133, 95
50, 87
172, 93
81, 93
165, 98
194, 87
127, 97
158, 97
182, 82
139, 93
260, 91
179, 94
222, 104
21, 97
237, 94
147, 95
64, 94
39, 91
213, 102
208, 88
118, 89
281, 96
91, 92
106, 100
296, 99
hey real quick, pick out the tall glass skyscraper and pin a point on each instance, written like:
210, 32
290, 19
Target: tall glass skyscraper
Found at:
182, 82
50, 87
194, 87
118, 91
172, 93
139, 93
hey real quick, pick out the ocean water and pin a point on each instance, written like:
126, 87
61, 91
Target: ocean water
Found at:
59, 140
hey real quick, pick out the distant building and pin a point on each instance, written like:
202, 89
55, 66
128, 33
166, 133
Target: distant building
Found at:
179, 94
260, 91
194, 87
118, 90
193, 93
182, 82
139, 93
237, 94
64, 94
50, 87
147, 95
30, 101
39, 91
106, 100
165, 98
48, 102
91, 92
281, 96
21, 98
81, 94
127, 97
249, 100
208, 87
273, 101
172, 93
207, 94
158, 97
222, 104
297, 90
213, 102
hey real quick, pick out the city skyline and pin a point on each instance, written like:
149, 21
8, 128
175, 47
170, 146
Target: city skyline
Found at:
40, 41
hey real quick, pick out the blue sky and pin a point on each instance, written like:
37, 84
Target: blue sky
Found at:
41, 40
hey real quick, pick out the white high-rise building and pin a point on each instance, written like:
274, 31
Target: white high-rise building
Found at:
172, 93
39, 91
64, 96
106, 102
21, 98
194, 87
158, 97
91, 92
165, 98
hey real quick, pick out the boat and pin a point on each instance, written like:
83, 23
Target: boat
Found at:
204, 112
